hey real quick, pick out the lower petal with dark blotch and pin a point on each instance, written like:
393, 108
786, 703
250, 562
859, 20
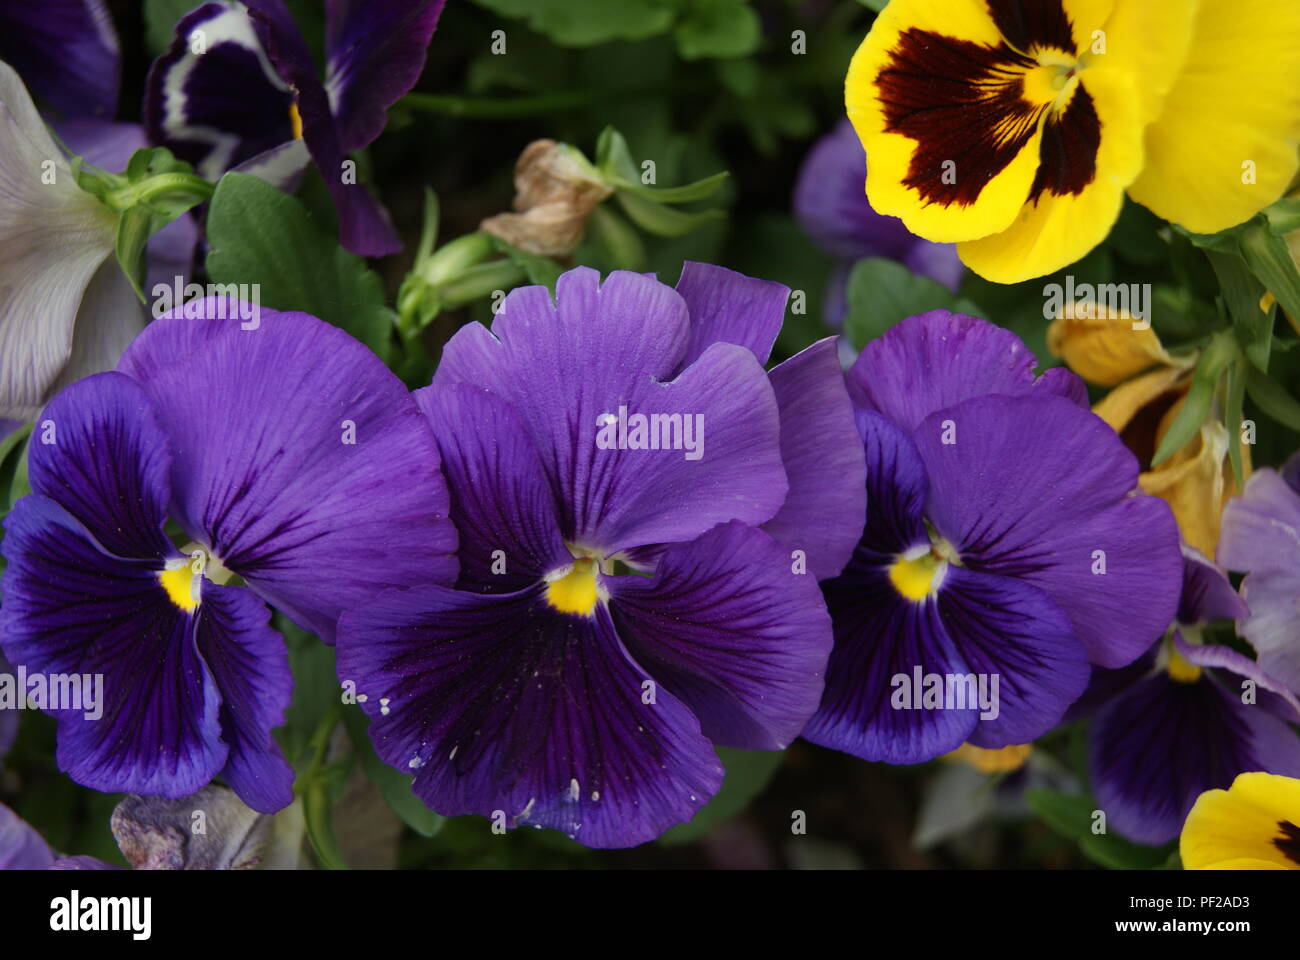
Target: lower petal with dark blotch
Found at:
732, 628
250, 664
884, 643
1157, 748
71, 609
1013, 634
504, 707
1036, 488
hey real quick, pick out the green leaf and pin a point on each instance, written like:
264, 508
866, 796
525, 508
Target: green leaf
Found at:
584, 23
160, 20
1116, 853
717, 28
1216, 357
1070, 816
260, 235
537, 269
1269, 258
882, 292
393, 785
664, 221
614, 157
1283, 217
748, 772
689, 193
1241, 294
617, 239
1273, 399
876, 5
1233, 414
13, 452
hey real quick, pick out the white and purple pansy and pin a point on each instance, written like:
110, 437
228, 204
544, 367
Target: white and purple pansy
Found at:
239, 89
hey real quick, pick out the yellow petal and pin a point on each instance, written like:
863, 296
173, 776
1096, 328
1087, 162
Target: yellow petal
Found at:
1149, 40
952, 148
1234, 110
1120, 407
1100, 344
1003, 760
1196, 482
1245, 826
1096, 141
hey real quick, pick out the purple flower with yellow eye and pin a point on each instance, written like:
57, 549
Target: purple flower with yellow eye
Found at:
643, 516
1004, 550
831, 205
1187, 717
285, 453
239, 89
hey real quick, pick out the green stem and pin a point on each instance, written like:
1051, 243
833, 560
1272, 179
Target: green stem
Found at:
146, 191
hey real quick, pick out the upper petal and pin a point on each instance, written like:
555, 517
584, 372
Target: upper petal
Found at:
729, 307
374, 52
824, 511
607, 352
67, 51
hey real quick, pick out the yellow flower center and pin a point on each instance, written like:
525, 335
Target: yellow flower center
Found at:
919, 572
182, 586
575, 591
295, 121
1182, 670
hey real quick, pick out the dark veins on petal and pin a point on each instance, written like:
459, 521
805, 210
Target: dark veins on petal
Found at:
1289, 842
964, 102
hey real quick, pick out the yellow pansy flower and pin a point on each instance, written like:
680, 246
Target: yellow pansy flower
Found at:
1014, 127
1253, 825
1150, 387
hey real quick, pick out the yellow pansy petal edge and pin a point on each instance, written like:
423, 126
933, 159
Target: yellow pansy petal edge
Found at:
1253, 825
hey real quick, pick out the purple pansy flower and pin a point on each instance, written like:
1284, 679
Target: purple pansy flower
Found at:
830, 203
1186, 718
66, 51
623, 604
1260, 536
287, 454
1003, 544
239, 88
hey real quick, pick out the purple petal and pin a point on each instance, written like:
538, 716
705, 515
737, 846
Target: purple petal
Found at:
82, 863
729, 307
375, 52
830, 202
66, 51
1036, 488
1013, 631
21, 847
881, 637
217, 107
282, 166
566, 367
936, 359
825, 510
728, 627
897, 490
250, 664
504, 707
1064, 383
500, 498
364, 226
1260, 535
71, 609
1269, 692
1157, 748
1207, 593
8, 718
107, 463
938, 261
316, 478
